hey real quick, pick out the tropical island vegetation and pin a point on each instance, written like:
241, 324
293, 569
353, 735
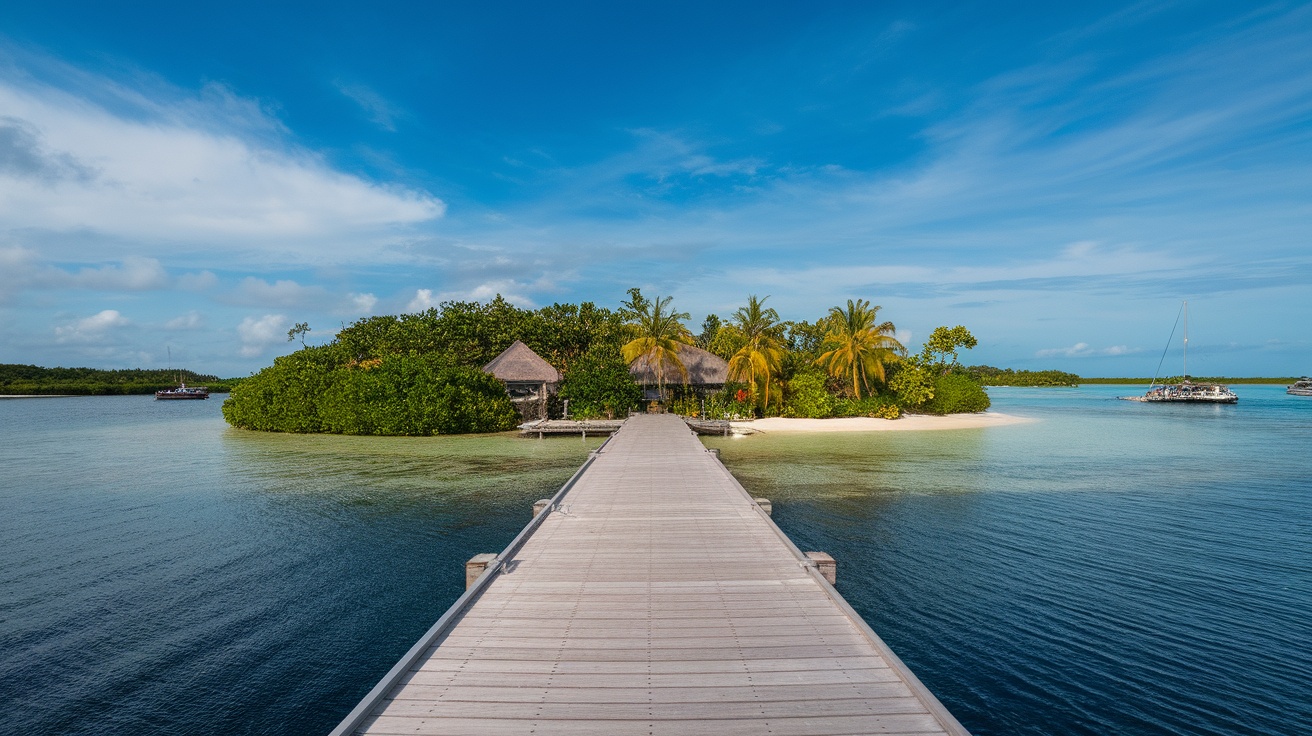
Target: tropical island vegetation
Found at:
34, 380
422, 374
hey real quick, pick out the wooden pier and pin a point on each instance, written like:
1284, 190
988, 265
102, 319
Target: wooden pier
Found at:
595, 427
651, 596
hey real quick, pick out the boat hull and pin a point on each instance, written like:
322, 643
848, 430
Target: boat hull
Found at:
1185, 400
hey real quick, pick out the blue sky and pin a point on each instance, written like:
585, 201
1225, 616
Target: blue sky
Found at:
1056, 177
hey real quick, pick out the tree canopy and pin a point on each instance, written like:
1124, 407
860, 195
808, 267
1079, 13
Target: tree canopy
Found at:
855, 347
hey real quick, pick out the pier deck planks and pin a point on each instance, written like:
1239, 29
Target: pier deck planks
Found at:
657, 599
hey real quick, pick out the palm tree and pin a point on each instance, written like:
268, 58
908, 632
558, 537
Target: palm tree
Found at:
757, 361
660, 332
856, 346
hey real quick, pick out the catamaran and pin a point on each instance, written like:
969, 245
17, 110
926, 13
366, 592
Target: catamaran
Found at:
183, 391
1186, 392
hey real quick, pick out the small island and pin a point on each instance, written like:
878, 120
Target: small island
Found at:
467, 367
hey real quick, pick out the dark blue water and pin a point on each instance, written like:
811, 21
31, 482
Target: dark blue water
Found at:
1111, 568
1114, 568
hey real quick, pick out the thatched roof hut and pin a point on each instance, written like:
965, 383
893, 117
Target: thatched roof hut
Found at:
529, 379
519, 364
704, 369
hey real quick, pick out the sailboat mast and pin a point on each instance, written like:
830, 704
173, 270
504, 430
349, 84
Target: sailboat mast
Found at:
1186, 341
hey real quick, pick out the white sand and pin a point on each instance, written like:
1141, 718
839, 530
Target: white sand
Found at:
908, 423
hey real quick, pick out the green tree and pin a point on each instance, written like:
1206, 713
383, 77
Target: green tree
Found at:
939, 354
302, 329
757, 362
912, 384
955, 393
599, 384
807, 397
856, 347
659, 331
710, 328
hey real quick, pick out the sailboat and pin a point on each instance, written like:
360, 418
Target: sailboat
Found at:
1186, 392
183, 391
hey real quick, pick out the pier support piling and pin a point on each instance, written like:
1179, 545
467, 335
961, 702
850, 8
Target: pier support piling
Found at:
827, 566
765, 505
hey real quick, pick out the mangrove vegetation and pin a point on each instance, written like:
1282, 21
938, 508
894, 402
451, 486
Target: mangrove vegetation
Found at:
422, 374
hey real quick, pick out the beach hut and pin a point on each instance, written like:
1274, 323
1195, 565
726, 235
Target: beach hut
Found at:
529, 379
707, 372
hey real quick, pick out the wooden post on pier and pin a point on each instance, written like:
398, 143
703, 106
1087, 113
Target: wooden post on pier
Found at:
475, 567
826, 565
765, 505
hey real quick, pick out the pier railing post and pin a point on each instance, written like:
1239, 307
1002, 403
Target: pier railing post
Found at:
475, 567
826, 565
765, 505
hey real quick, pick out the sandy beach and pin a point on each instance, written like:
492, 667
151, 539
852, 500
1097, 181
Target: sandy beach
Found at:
908, 423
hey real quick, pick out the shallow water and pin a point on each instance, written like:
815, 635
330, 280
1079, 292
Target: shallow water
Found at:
1114, 567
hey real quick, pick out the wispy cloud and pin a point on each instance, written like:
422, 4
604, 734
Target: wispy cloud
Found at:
377, 108
1084, 350
165, 176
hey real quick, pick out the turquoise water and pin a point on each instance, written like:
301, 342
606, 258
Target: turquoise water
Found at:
1112, 567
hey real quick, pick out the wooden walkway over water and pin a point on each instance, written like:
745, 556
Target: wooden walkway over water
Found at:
652, 597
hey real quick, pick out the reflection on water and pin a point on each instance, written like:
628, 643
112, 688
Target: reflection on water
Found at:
1114, 567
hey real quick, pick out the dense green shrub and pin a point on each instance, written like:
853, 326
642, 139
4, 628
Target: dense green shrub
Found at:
912, 384
285, 396
599, 384
880, 405
955, 393
807, 397
397, 395
987, 375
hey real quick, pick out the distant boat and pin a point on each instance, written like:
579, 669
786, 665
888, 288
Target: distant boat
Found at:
1301, 387
1187, 392
183, 392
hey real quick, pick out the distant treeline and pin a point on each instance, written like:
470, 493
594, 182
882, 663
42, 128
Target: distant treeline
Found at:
1281, 381
31, 379
987, 375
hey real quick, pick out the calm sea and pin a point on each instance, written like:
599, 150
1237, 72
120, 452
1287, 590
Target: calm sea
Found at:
1111, 568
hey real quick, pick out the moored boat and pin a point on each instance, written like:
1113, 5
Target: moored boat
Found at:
1189, 392
183, 391
1186, 392
1301, 387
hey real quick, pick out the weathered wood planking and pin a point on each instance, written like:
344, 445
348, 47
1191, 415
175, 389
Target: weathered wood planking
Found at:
652, 597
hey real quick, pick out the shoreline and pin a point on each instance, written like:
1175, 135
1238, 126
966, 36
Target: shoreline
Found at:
908, 423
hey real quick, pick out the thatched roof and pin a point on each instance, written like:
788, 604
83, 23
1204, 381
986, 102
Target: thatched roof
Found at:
703, 369
519, 363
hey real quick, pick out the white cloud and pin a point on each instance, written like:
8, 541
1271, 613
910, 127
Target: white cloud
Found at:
281, 293
133, 274
197, 281
189, 321
1083, 350
363, 303
196, 173
259, 334
91, 328
423, 300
